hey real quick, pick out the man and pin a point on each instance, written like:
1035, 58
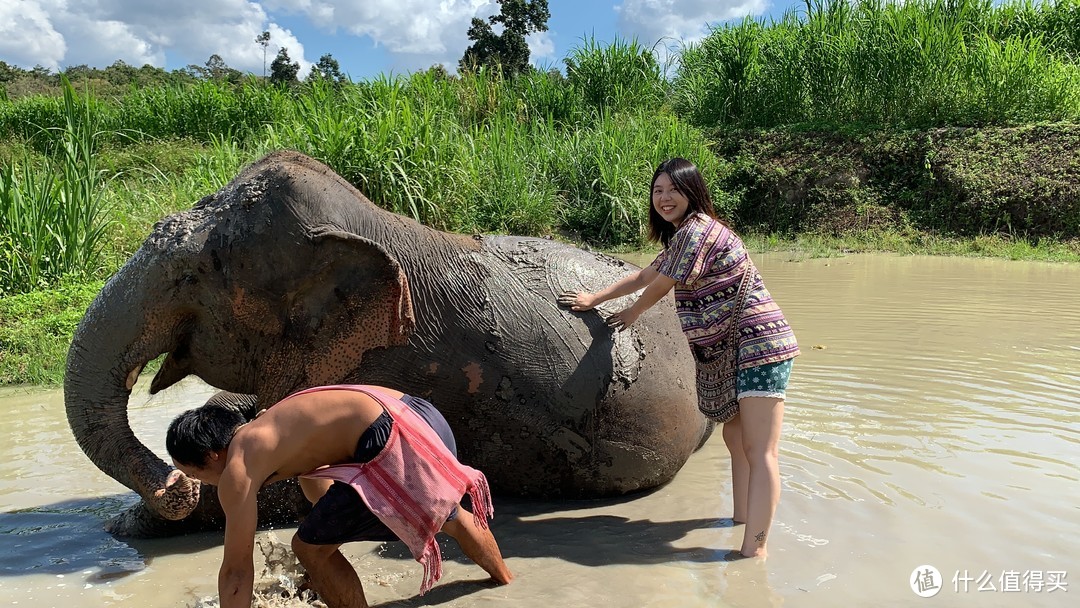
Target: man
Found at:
353, 447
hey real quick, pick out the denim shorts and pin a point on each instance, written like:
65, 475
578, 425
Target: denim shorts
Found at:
769, 380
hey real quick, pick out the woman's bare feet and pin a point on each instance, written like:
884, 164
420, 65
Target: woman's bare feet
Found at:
735, 555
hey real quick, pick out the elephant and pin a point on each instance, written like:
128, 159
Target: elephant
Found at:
288, 278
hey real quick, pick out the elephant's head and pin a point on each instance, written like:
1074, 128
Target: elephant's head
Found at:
251, 280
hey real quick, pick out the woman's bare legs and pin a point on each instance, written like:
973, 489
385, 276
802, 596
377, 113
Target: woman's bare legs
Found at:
740, 468
761, 420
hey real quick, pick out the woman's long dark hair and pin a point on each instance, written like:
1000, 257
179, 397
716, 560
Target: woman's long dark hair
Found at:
689, 181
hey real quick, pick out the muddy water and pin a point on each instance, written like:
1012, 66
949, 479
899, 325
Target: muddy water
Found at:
933, 419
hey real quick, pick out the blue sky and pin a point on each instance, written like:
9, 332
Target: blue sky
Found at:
367, 37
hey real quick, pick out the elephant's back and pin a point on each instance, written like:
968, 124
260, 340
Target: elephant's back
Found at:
554, 267
622, 407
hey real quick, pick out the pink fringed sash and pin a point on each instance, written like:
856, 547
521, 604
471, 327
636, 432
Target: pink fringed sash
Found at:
413, 484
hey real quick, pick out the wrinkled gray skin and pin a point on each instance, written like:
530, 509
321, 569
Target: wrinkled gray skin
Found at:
289, 278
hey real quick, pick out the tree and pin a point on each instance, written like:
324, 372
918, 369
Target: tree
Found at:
438, 72
264, 40
283, 70
197, 72
120, 73
507, 51
215, 67
151, 75
79, 72
9, 73
327, 69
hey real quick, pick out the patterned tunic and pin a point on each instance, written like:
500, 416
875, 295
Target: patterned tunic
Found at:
704, 257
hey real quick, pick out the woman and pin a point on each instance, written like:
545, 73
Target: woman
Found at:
734, 328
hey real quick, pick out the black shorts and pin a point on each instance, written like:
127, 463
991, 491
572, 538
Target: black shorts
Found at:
341, 516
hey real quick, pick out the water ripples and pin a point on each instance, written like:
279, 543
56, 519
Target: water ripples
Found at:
920, 374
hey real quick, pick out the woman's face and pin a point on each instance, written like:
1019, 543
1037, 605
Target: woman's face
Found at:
668, 200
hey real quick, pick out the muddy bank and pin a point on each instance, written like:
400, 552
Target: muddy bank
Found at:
1020, 181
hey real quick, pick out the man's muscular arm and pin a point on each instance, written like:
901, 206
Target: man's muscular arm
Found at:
479, 545
237, 493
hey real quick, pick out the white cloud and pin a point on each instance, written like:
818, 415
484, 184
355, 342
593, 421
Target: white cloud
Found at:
653, 21
107, 42
417, 33
60, 33
27, 35
541, 48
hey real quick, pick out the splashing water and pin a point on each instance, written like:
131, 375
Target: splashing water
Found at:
281, 582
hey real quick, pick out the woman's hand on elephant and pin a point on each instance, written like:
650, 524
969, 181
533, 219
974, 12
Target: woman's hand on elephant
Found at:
622, 319
577, 300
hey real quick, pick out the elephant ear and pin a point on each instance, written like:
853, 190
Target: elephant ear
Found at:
355, 298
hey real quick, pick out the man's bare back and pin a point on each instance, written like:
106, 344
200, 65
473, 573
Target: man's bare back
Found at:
301, 434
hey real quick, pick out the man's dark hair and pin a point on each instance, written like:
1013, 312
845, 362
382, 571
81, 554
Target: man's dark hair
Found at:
689, 181
196, 433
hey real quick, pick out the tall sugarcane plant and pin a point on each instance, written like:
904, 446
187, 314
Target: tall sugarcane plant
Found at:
53, 213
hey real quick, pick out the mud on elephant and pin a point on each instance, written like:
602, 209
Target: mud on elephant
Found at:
289, 278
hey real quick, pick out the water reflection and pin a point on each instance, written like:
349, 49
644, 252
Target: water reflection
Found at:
932, 419
65, 538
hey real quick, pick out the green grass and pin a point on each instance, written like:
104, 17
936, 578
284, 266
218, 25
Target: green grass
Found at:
549, 154
36, 330
920, 64
616, 77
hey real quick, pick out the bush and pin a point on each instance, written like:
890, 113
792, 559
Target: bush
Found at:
36, 330
876, 63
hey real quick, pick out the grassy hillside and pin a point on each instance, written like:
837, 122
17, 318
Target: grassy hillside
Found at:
947, 127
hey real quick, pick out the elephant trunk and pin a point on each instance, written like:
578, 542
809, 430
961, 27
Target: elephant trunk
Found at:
109, 349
